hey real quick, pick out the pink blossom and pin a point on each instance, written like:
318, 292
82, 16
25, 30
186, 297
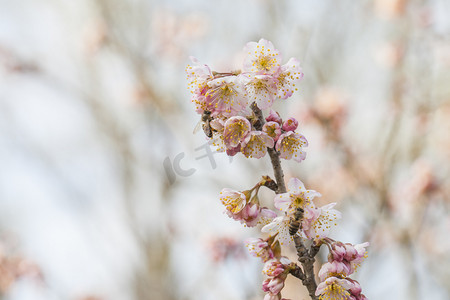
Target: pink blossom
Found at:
280, 225
334, 268
355, 289
359, 254
233, 201
351, 255
198, 76
273, 285
272, 129
259, 248
256, 143
288, 76
217, 124
217, 142
273, 268
225, 96
252, 214
334, 288
260, 89
274, 117
354, 255
262, 57
290, 124
337, 252
290, 145
317, 222
235, 130
272, 297
296, 196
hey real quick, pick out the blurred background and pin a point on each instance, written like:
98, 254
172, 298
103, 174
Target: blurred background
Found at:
106, 193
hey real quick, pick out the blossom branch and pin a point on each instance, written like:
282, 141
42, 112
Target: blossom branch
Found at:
223, 100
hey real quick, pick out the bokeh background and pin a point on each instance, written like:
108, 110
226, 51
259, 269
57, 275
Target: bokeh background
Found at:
106, 193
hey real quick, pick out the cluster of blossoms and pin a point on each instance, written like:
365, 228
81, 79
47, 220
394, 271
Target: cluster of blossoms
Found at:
342, 262
232, 107
224, 100
276, 267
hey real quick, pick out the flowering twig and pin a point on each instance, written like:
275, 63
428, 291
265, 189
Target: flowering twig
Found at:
223, 100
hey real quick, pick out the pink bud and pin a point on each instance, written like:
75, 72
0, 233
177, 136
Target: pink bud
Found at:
273, 117
290, 124
275, 285
337, 252
273, 268
234, 151
251, 211
272, 297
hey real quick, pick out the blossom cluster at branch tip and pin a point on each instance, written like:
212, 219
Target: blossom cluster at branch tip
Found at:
276, 271
227, 97
342, 262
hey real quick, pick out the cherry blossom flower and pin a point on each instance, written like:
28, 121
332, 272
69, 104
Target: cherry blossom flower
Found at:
262, 57
356, 254
274, 117
290, 124
317, 222
218, 124
260, 89
273, 285
233, 201
252, 214
225, 96
351, 255
334, 288
297, 196
334, 268
256, 143
290, 145
288, 76
198, 76
280, 225
355, 289
217, 142
272, 129
273, 268
235, 130
259, 248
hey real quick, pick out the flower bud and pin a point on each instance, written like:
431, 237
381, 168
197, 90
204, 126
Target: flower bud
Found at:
290, 124
273, 117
